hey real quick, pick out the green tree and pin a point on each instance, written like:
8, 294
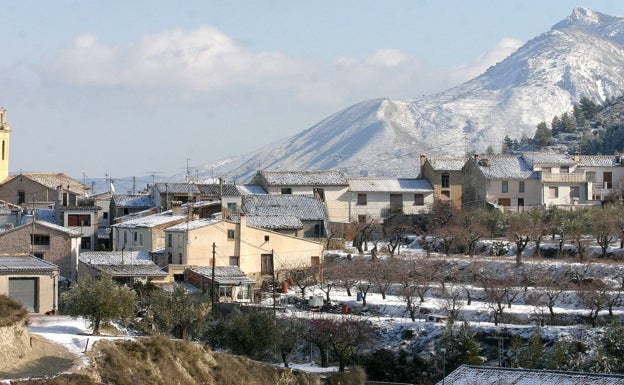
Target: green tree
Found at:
180, 313
542, 136
254, 335
461, 346
99, 301
609, 358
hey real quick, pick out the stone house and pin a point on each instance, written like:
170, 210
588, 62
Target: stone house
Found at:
49, 242
126, 267
446, 178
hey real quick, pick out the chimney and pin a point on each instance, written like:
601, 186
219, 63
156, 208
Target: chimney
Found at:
423, 158
476, 157
577, 157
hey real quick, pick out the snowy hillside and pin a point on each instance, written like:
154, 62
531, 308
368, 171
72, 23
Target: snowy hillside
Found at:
582, 55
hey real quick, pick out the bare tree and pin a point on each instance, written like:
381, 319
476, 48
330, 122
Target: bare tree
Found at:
303, 276
396, 228
594, 297
520, 232
384, 274
604, 227
452, 300
360, 233
496, 297
578, 226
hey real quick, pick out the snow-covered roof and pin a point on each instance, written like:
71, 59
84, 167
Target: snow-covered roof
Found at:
303, 178
546, 158
192, 225
281, 222
402, 185
24, 263
177, 188
126, 263
226, 189
505, 167
225, 275
53, 180
250, 189
600, 161
468, 375
151, 220
132, 200
447, 164
59, 228
304, 207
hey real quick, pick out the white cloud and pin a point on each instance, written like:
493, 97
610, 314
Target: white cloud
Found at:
205, 61
504, 48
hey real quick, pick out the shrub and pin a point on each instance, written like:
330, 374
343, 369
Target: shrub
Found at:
11, 312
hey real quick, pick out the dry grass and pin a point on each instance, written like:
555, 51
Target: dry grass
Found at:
11, 312
159, 360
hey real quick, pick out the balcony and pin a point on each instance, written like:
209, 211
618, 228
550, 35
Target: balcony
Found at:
563, 178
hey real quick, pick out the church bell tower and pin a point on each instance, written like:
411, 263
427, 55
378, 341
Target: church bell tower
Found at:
5, 134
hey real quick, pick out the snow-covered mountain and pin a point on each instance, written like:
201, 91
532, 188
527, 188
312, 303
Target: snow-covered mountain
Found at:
582, 55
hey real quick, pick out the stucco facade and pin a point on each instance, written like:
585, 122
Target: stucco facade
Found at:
30, 281
236, 244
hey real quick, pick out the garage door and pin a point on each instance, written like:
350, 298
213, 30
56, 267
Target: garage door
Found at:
24, 290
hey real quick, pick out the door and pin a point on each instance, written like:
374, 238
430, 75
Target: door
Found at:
607, 179
396, 203
24, 291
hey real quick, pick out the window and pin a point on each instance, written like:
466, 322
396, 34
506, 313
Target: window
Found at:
521, 186
105, 215
21, 197
38, 255
225, 291
319, 194
505, 186
445, 196
361, 199
564, 169
234, 260
136, 236
575, 192
233, 207
169, 241
520, 202
125, 237
169, 258
591, 176
243, 293
266, 263
231, 235
286, 190
75, 220
553, 192
546, 170
446, 181
40, 239
85, 243
362, 219
315, 261
419, 199
266, 238
141, 239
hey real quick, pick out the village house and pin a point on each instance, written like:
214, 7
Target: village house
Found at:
10, 215
102, 202
562, 182
126, 267
379, 198
127, 204
216, 242
52, 243
146, 233
230, 283
446, 178
325, 186
30, 281
504, 181
604, 175
297, 215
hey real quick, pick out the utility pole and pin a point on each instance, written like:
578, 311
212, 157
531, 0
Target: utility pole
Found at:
212, 279
274, 283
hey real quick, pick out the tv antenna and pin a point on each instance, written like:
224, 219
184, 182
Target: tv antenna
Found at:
153, 174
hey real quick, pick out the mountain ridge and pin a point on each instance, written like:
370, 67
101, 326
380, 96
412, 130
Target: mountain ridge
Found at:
580, 56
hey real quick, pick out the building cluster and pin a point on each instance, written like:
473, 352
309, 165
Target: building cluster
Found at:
233, 237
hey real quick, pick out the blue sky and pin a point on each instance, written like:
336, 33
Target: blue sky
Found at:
127, 88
